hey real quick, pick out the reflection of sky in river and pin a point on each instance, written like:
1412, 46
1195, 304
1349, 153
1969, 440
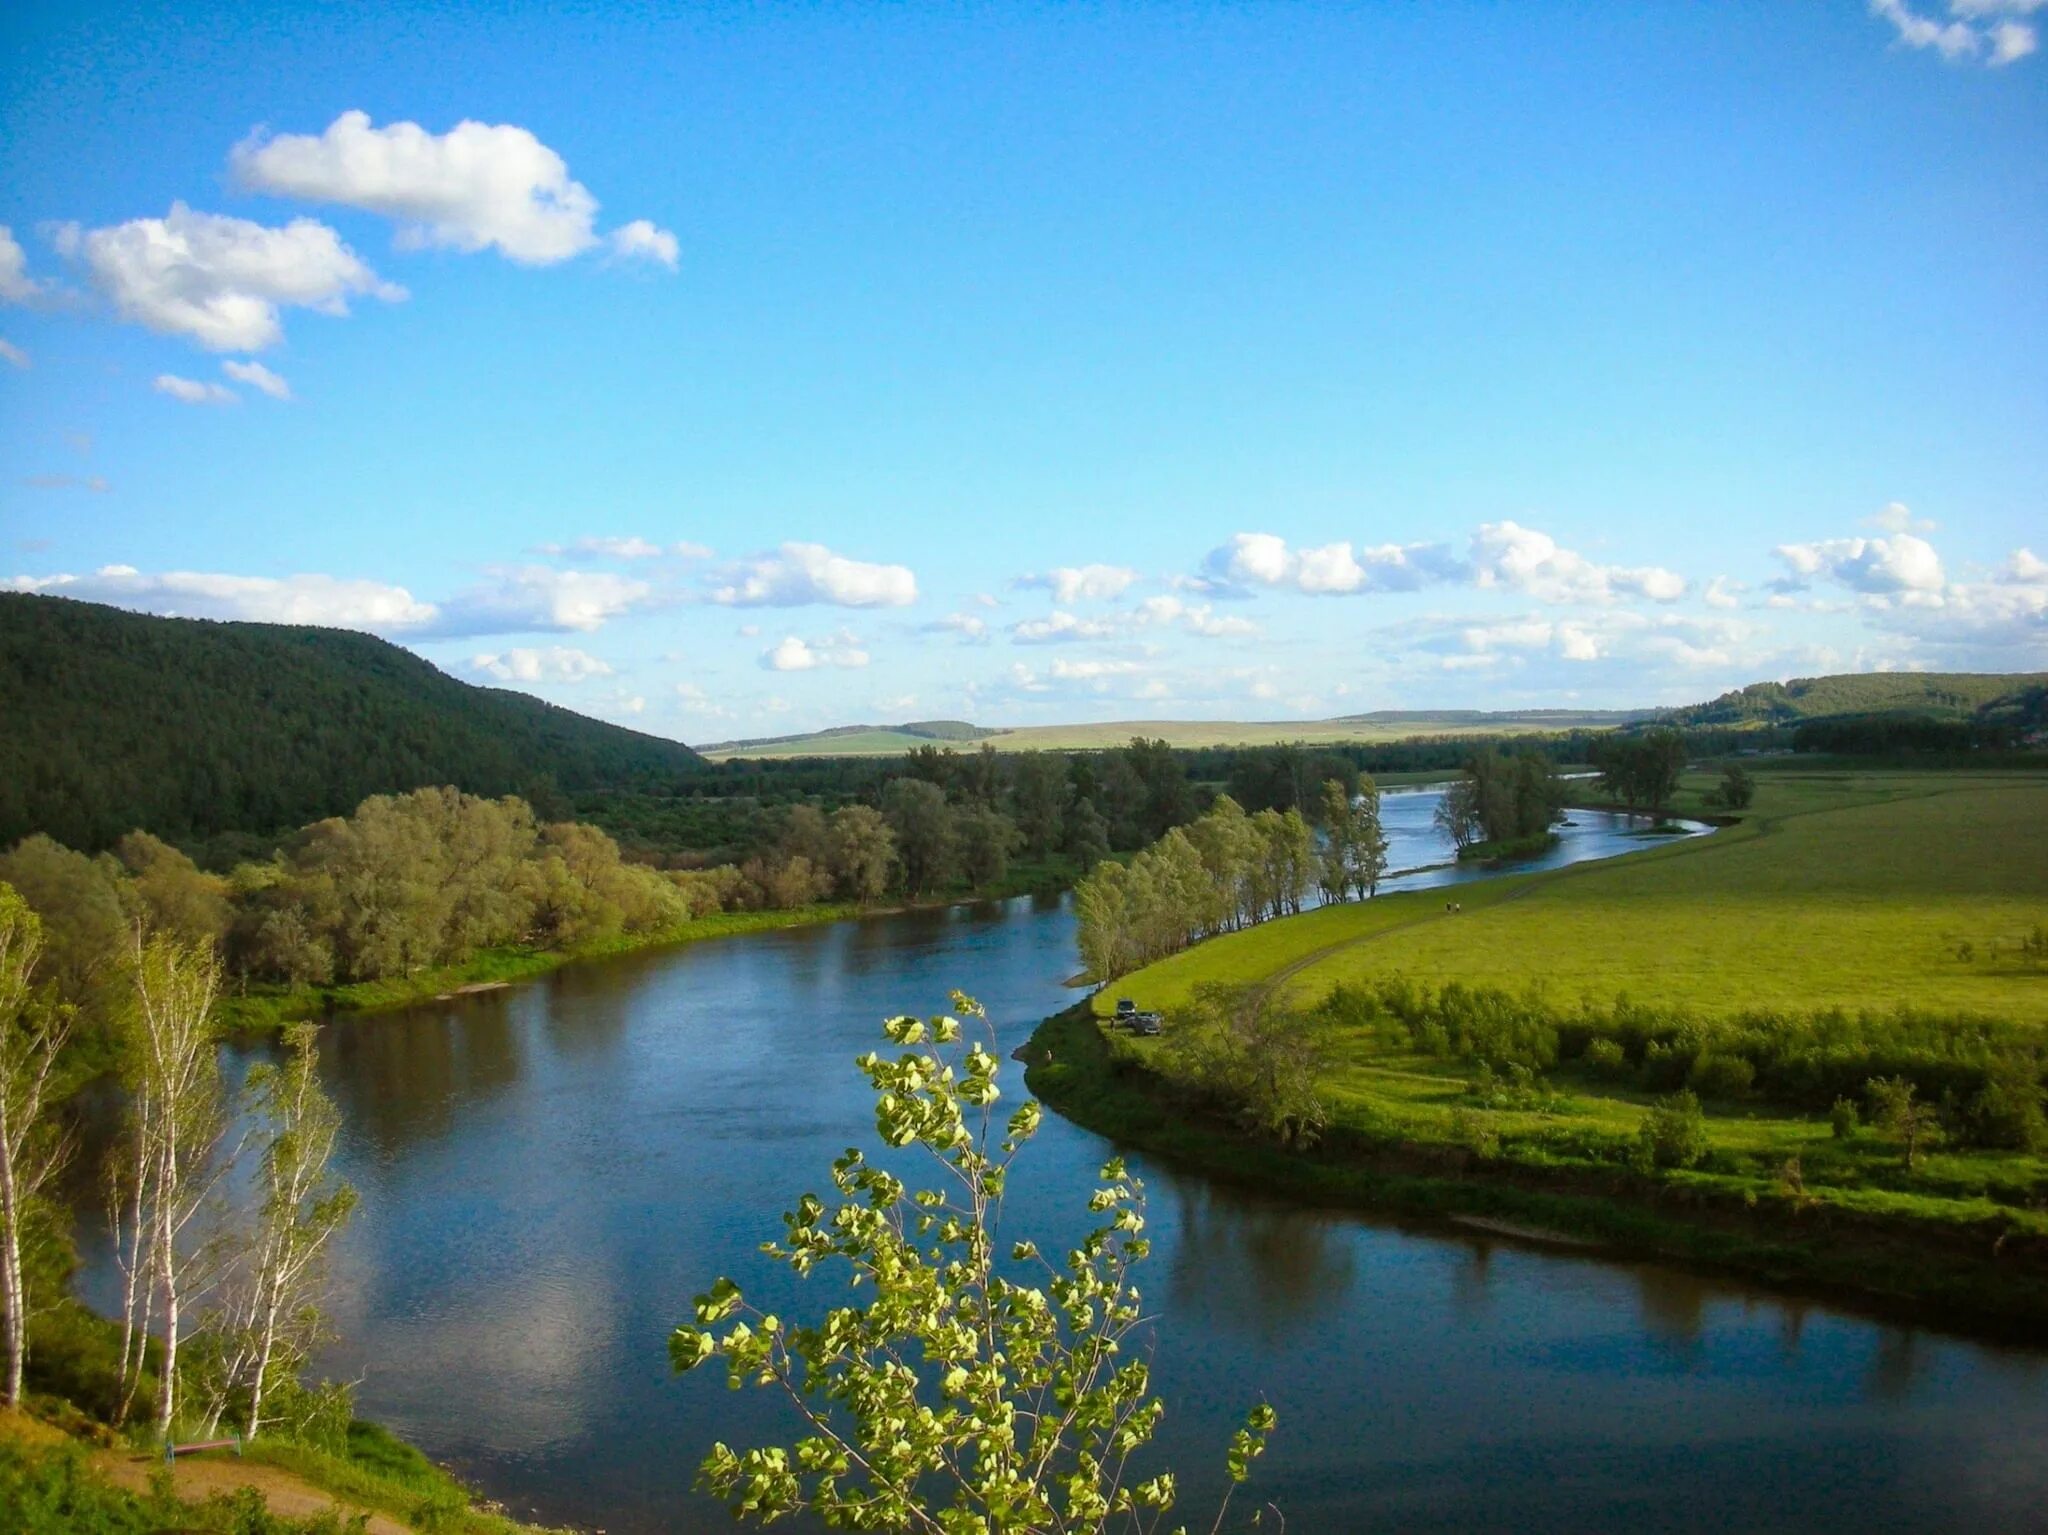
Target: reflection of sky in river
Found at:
549, 1174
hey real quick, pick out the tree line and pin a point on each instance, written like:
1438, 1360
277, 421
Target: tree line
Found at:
1226, 870
1502, 801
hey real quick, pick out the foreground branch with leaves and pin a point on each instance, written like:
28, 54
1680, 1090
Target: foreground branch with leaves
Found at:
973, 1392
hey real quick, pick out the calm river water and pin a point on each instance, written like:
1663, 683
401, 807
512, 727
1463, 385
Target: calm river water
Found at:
550, 1173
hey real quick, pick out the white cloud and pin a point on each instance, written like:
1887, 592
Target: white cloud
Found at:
1723, 593
256, 376
221, 281
1082, 583
1337, 569
1897, 517
2025, 567
1976, 29
1195, 618
1061, 628
1091, 671
534, 599
642, 241
16, 286
692, 699
302, 599
970, 628
194, 392
794, 655
797, 575
1900, 564
13, 353
1523, 559
477, 185
555, 663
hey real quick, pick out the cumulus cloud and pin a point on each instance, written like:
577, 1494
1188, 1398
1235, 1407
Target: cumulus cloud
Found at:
798, 575
1613, 635
555, 663
1061, 628
692, 699
319, 600
1897, 517
221, 281
1337, 569
629, 547
1526, 560
1723, 593
1987, 30
1070, 584
16, 286
1900, 564
194, 391
795, 655
478, 185
1064, 670
256, 376
1193, 618
642, 241
13, 354
534, 599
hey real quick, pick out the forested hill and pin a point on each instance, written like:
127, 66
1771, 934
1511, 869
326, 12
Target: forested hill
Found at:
189, 728
1937, 695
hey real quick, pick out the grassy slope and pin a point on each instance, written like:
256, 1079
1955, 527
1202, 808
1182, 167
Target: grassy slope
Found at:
1836, 889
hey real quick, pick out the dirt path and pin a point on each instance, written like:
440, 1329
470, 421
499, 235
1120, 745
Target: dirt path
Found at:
200, 1476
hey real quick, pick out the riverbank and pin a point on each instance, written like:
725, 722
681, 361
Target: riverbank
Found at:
1969, 1276
263, 1009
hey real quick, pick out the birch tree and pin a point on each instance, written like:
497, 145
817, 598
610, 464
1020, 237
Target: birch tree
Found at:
273, 1318
176, 1122
31, 1147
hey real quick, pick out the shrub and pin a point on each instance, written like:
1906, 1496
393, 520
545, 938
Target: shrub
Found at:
1844, 1119
1721, 1076
1607, 1056
1675, 1133
1471, 1131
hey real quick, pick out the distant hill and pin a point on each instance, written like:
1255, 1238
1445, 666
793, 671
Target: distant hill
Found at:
852, 740
111, 720
1385, 725
1934, 695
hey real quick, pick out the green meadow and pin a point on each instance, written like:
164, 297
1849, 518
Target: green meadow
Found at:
1864, 919
1836, 889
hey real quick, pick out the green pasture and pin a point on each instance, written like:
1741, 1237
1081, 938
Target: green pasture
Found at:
1837, 889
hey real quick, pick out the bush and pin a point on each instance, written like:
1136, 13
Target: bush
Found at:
1721, 1076
1844, 1119
1675, 1133
1471, 1131
1607, 1057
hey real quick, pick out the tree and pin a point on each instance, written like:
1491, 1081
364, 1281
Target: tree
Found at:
1457, 814
862, 852
169, 893
1260, 1063
175, 1125
1025, 1407
32, 1035
1895, 1111
923, 825
1040, 794
1354, 855
1087, 835
985, 839
1737, 787
273, 1319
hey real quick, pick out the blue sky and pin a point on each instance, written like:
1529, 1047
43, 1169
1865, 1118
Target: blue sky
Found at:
748, 370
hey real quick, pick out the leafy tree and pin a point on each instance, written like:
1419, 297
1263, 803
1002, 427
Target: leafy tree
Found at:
1737, 787
985, 838
922, 822
1457, 814
1041, 791
168, 893
1087, 834
862, 852
1261, 1064
1354, 853
1026, 1406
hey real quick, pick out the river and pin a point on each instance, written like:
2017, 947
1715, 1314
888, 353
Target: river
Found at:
550, 1173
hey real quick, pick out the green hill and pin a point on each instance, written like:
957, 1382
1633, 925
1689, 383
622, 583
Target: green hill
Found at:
189, 728
1936, 695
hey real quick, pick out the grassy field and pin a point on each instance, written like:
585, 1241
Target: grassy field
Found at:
1838, 889
1180, 733
1835, 889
